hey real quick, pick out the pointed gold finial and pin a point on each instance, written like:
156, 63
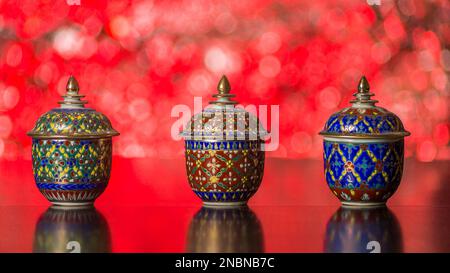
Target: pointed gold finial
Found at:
224, 85
223, 96
363, 96
72, 85
72, 99
363, 86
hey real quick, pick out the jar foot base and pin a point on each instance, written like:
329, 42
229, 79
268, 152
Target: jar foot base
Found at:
73, 204
224, 204
356, 204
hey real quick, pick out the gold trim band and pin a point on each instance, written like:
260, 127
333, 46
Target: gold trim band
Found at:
37, 136
387, 136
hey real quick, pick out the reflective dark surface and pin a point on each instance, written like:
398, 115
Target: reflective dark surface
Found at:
76, 230
225, 230
148, 207
363, 230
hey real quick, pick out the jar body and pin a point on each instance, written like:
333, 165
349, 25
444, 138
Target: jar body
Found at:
363, 172
225, 172
71, 172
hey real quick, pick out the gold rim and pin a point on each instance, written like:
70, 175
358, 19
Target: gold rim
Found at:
38, 136
390, 136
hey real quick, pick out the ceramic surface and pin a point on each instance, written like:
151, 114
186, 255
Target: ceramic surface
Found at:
224, 152
72, 151
363, 151
363, 172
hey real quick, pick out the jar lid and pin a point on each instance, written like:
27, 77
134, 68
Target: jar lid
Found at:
363, 119
72, 119
221, 120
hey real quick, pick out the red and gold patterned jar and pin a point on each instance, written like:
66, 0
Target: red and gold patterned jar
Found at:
224, 151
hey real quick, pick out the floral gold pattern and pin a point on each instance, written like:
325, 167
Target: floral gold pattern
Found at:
73, 123
363, 151
224, 151
363, 172
72, 151
71, 161
224, 175
363, 121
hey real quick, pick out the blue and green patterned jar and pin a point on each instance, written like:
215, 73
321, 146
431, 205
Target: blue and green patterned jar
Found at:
72, 151
363, 151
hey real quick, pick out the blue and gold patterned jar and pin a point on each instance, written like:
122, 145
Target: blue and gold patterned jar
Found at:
72, 151
363, 151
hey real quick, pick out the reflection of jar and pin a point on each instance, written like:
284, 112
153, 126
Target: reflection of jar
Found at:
363, 230
72, 151
224, 151
363, 151
227, 230
76, 230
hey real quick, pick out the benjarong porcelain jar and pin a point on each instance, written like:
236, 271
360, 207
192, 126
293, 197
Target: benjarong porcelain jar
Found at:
363, 151
72, 151
224, 151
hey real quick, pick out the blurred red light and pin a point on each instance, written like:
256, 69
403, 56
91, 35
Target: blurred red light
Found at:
135, 60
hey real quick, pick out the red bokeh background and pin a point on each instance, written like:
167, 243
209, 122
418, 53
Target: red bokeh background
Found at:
135, 60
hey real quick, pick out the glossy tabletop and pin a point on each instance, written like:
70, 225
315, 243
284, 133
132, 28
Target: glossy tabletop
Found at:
149, 207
